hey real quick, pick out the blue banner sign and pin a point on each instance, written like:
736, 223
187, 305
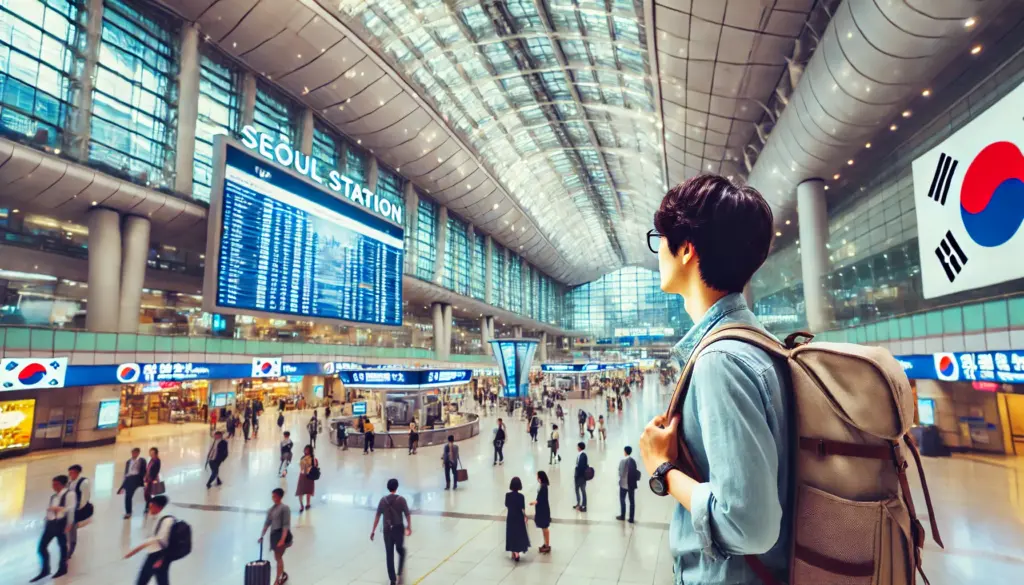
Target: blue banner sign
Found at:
582, 368
404, 379
1004, 367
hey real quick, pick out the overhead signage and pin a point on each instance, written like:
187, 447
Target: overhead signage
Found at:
132, 373
359, 409
28, 373
1004, 367
404, 379
969, 200
587, 368
287, 156
266, 367
644, 331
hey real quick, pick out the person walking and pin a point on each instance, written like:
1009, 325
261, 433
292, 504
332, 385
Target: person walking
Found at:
542, 511
393, 508
60, 517
157, 564
80, 486
602, 432
629, 475
591, 425
554, 457
215, 456
280, 420
314, 428
450, 459
342, 432
499, 443
134, 471
246, 425
286, 454
279, 522
152, 478
230, 422
256, 420
306, 486
414, 438
581, 418
517, 540
580, 478
367, 435
213, 420
534, 427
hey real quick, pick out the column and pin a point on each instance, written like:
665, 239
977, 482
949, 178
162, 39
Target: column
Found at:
306, 131
104, 270
134, 254
485, 337
489, 272
437, 316
441, 242
542, 348
517, 331
248, 111
188, 109
524, 288
412, 218
447, 332
87, 79
372, 173
812, 213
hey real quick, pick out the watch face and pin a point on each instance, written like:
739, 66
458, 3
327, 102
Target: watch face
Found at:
657, 486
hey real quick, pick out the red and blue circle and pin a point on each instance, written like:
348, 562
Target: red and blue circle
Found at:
32, 374
992, 194
266, 367
946, 366
128, 373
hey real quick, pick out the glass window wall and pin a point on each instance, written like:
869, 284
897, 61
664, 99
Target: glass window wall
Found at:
478, 287
456, 257
219, 95
426, 236
325, 148
274, 114
390, 186
627, 298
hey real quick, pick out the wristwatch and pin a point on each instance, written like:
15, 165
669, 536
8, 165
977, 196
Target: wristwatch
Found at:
658, 481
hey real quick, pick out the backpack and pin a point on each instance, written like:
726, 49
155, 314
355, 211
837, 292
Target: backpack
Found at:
392, 515
179, 543
85, 512
851, 408
634, 471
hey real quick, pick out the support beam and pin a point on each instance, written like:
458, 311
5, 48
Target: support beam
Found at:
134, 256
447, 332
87, 79
188, 109
488, 270
437, 316
441, 243
248, 106
812, 213
412, 218
485, 336
307, 129
542, 348
104, 270
372, 173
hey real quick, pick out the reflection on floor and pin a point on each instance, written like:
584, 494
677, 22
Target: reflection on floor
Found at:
458, 537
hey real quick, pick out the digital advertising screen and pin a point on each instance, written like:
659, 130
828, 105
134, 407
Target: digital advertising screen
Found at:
359, 409
109, 414
281, 243
16, 420
926, 411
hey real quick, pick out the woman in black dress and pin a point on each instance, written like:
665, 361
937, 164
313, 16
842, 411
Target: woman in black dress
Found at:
516, 539
542, 517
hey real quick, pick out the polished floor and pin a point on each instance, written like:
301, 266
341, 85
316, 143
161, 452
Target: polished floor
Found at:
458, 537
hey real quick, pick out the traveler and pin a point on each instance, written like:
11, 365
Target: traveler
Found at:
450, 460
516, 538
158, 563
213, 421
151, 481
580, 478
499, 443
60, 518
82, 489
393, 508
134, 470
286, 454
542, 513
414, 438
230, 424
711, 237
534, 427
279, 522
581, 417
215, 456
246, 425
280, 420
367, 435
313, 427
256, 420
306, 486
629, 475
553, 445
591, 425
602, 432
342, 432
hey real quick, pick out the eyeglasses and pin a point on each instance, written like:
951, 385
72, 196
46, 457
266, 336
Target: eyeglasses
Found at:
654, 240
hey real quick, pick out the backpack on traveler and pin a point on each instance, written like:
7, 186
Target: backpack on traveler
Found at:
854, 519
179, 543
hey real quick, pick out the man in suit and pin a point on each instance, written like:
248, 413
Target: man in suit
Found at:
217, 454
580, 478
450, 458
134, 469
629, 473
60, 517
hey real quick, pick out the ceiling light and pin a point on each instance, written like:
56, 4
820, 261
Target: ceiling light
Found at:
826, 187
233, 45
95, 203
975, 49
15, 210
787, 222
893, 128
359, 141
850, 162
906, 113
835, 177
382, 102
926, 93
778, 234
970, 22
495, 206
468, 186
299, 56
868, 145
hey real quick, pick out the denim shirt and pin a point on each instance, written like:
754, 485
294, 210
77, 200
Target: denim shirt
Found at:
734, 423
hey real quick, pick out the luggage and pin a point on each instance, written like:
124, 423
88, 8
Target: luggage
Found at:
462, 474
258, 572
853, 515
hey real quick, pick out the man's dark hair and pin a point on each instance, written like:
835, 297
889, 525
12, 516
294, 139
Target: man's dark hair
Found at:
729, 227
160, 501
287, 434
629, 450
392, 485
278, 492
581, 445
76, 468
61, 479
516, 484
451, 438
218, 434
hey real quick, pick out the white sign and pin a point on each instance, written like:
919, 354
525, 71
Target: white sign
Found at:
969, 197
644, 331
266, 367
27, 373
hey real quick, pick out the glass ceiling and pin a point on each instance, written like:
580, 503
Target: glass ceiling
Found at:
554, 95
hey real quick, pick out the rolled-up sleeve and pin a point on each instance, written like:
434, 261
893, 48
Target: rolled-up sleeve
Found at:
736, 511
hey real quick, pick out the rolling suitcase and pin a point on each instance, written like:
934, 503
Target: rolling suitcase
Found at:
258, 572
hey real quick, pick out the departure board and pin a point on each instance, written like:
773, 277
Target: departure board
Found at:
288, 247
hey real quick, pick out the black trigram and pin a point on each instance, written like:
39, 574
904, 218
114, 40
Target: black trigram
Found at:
942, 178
951, 256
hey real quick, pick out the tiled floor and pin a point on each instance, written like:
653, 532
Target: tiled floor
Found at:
458, 537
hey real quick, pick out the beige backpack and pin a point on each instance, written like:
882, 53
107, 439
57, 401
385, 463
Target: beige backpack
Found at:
854, 521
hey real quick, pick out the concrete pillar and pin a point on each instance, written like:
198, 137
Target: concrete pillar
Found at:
524, 287
188, 108
447, 332
542, 348
104, 270
372, 173
412, 218
248, 112
83, 117
307, 127
134, 254
489, 272
437, 316
812, 214
490, 327
485, 337
441, 243
517, 331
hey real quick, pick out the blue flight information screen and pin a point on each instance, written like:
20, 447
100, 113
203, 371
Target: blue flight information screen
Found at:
290, 248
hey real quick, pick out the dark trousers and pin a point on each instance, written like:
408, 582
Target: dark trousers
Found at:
581, 492
148, 571
53, 529
312, 440
394, 541
499, 455
623, 492
214, 473
368, 442
130, 485
533, 433
450, 472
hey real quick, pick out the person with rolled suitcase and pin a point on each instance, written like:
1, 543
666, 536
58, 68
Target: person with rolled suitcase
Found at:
279, 522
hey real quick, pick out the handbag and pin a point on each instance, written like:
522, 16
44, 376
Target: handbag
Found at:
158, 488
462, 474
314, 472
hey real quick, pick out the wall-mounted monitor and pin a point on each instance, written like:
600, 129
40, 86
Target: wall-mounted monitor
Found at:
288, 237
109, 414
359, 409
926, 411
16, 423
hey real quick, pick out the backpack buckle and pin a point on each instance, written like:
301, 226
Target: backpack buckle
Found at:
820, 449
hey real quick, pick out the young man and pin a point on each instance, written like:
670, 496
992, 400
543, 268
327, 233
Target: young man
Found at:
499, 443
393, 507
450, 460
60, 517
156, 565
627, 485
279, 522
217, 454
286, 454
313, 428
82, 489
580, 478
711, 237
134, 470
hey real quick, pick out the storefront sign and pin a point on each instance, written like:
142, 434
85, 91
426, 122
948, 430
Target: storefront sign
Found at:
162, 372
359, 409
578, 368
28, 373
16, 418
1005, 367
405, 379
644, 332
266, 367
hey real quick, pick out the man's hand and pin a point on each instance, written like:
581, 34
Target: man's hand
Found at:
371, 535
659, 443
408, 531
